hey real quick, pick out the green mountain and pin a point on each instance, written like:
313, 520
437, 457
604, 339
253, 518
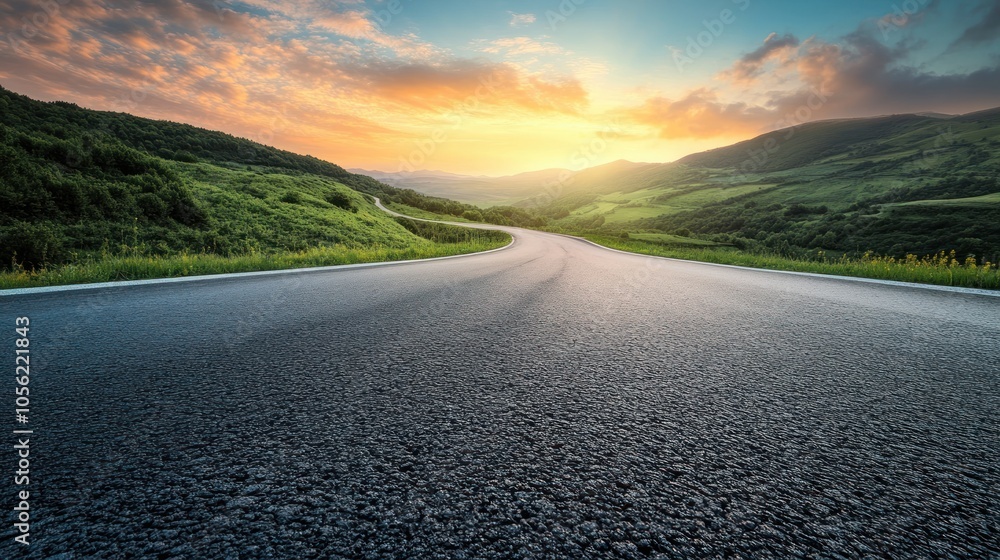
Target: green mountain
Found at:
810, 142
78, 184
895, 185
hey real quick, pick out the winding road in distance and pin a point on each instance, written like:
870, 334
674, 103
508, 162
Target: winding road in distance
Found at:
550, 400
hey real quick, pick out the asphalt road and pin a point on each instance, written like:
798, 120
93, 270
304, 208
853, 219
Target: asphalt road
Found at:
551, 400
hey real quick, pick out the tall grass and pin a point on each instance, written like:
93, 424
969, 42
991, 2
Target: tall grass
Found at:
943, 269
133, 266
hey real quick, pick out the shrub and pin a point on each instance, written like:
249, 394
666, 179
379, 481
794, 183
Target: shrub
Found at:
152, 206
341, 200
184, 156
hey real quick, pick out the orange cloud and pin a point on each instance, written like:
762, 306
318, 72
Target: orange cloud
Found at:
335, 95
349, 24
322, 77
699, 114
473, 84
856, 76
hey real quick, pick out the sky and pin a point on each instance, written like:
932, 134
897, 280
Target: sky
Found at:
497, 87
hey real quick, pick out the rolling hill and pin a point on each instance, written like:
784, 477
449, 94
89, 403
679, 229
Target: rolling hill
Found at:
79, 185
895, 185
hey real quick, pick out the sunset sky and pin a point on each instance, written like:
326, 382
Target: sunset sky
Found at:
499, 87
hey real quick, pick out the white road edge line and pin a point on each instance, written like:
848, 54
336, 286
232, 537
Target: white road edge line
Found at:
378, 203
230, 275
915, 285
956, 289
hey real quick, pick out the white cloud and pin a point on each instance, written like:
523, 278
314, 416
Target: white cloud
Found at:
521, 46
517, 20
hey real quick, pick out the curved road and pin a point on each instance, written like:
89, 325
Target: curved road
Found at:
550, 400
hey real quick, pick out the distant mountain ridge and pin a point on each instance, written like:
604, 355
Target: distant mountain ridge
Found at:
895, 184
486, 191
809, 142
75, 179
775, 151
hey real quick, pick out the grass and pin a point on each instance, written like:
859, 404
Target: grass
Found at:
625, 214
670, 239
622, 207
943, 269
987, 200
278, 212
253, 220
137, 267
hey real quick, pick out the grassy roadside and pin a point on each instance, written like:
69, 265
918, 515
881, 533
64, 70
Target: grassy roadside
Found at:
135, 267
942, 269
129, 215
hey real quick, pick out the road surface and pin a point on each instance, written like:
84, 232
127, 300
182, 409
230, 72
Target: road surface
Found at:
553, 399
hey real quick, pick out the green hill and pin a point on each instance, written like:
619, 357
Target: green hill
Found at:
894, 185
81, 186
812, 142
